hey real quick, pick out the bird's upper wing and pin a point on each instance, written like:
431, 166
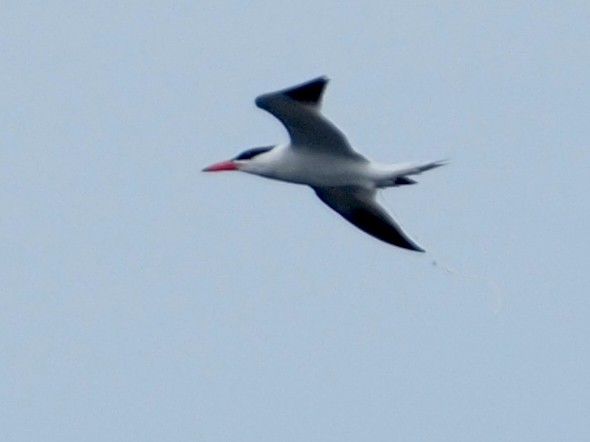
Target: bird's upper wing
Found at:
358, 206
298, 108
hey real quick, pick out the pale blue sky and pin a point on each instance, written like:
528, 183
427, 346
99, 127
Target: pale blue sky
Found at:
143, 300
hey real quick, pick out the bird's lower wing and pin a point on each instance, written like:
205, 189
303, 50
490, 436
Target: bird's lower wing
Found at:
358, 206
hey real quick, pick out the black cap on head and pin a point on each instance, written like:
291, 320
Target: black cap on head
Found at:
251, 153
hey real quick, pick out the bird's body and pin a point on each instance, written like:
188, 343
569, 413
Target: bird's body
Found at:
320, 156
287, 164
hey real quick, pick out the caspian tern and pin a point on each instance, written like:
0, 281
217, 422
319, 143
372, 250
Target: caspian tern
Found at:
320, 156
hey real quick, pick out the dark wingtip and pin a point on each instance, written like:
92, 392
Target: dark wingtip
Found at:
406, 243
310, 92
404, 181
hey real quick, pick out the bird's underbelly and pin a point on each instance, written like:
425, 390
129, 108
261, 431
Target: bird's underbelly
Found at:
328, 173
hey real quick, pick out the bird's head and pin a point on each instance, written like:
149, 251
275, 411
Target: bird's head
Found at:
248, 161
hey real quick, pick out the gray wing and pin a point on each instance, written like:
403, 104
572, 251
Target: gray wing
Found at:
358, 206
298, 108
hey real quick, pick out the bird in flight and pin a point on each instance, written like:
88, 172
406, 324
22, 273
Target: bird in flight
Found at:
319, 155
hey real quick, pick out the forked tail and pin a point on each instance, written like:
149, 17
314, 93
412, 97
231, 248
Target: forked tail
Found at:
401, 175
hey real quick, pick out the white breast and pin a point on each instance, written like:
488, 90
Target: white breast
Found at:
317, 169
